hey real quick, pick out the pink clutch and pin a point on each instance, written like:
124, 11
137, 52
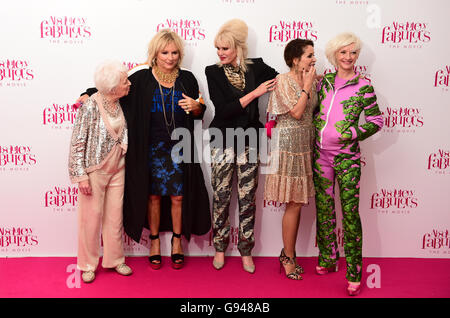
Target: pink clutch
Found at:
269, 125
77, 105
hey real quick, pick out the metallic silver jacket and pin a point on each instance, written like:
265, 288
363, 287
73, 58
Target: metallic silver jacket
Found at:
92, 140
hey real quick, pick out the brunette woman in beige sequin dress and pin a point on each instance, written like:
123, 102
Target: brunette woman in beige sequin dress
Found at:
293, 102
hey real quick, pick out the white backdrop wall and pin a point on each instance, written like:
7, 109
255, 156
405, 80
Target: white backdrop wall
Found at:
49, 50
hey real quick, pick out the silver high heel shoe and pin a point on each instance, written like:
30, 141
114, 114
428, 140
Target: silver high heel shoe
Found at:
248, 268
218, 265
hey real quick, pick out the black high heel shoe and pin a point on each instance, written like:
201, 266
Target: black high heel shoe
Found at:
285, 260
177, 259
155, 260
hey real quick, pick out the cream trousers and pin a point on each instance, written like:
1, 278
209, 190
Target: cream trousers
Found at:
101, 212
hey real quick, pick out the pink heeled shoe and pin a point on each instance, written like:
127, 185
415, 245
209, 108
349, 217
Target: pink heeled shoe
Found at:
353, 289
325, 270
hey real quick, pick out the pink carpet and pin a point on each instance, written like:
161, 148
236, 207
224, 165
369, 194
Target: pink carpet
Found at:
48, 278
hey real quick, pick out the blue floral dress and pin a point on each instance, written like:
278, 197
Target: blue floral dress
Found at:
166, 174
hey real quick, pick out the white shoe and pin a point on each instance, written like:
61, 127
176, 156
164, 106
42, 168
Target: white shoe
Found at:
88, 276
124, 269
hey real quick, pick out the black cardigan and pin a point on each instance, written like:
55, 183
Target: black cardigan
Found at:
196, 216
229, 112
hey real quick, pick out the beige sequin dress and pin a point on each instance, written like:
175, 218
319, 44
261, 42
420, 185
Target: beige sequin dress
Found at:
293, 179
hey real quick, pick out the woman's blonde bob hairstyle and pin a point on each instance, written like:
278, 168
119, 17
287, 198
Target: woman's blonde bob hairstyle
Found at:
160, 41
234, 34
339, 42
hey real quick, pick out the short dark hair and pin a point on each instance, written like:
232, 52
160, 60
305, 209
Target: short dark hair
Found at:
295, 49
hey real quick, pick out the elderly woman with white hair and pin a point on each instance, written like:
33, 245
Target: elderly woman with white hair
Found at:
343, 96
163, 193
97, 164
234, 84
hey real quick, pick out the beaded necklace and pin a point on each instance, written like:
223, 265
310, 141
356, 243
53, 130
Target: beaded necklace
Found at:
172, 120
113, 112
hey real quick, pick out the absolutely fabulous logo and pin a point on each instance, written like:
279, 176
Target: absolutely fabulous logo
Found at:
436, 242
16, 158
394, 201
15, 73
133, 248
274, 206
441, 78
17, 239
402, 119
353, 3
190, 30
284, 31
363, 161
234, 237
438, 162
239, 1
65, 30
130, 65
62, 198
407, 35
59, 116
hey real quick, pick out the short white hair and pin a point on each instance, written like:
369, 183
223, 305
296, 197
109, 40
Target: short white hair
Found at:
339, 42
107, 76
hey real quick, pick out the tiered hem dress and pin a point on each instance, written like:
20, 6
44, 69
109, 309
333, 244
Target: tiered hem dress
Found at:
292, 179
